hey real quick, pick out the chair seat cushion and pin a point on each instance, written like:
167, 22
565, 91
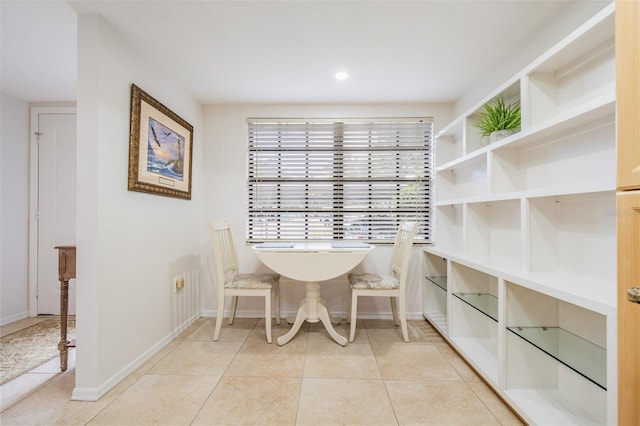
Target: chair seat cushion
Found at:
252, 281
373, 281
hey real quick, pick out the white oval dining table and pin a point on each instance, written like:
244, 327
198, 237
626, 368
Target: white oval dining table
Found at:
312, 262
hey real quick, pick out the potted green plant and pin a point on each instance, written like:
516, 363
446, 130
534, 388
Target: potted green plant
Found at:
499, 119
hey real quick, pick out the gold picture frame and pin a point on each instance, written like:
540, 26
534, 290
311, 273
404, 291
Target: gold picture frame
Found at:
160, 148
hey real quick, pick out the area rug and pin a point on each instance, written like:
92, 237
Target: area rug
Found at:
26, 349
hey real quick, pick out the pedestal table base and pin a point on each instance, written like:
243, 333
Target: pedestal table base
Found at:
312, 310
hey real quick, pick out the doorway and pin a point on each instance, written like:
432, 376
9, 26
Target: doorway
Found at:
52, 204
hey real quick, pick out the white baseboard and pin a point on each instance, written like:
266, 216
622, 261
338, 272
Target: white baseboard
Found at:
13, 318
210, 313
93, 394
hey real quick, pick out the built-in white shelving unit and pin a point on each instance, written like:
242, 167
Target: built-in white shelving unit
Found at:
522, 276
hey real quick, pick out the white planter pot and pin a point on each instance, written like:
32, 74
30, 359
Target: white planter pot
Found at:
500, 134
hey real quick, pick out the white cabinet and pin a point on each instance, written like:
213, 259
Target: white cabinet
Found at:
434, 290
556, 358
522, 275
474, 317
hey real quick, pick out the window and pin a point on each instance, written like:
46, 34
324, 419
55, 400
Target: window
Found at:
338, 179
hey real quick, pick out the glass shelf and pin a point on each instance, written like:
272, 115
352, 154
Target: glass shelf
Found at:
440, 281
580, 355
483, 302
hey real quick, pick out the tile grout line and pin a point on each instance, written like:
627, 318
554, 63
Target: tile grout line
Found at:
304, 363
244, 342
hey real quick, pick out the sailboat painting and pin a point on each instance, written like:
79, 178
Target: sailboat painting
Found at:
165, 151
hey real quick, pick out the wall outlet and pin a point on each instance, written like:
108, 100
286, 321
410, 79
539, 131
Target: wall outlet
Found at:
179, 283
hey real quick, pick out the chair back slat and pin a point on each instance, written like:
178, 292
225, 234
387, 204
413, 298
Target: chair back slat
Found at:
402, 251
224, 251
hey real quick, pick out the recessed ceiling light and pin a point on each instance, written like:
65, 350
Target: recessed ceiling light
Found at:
342, 75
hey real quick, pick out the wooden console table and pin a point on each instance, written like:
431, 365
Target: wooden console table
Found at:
66, 271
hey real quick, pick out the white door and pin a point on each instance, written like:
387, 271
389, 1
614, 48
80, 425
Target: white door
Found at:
56, 204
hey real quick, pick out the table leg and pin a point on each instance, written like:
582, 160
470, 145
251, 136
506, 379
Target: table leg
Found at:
300, 318
326, 320
312, 310
64, 311
334, 321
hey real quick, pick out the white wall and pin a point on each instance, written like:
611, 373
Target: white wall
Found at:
14, 215
225, 180
128, 242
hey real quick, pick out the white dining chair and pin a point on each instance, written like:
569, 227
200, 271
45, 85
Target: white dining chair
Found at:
232, 283
392, 285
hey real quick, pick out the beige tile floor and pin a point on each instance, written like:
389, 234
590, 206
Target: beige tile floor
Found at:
242, 380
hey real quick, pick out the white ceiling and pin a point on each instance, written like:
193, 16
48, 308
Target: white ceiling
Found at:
280, 51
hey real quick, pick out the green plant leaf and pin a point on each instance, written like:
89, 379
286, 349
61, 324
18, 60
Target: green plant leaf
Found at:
498, 115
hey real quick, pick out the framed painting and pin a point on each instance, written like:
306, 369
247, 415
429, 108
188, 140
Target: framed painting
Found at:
160, 148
